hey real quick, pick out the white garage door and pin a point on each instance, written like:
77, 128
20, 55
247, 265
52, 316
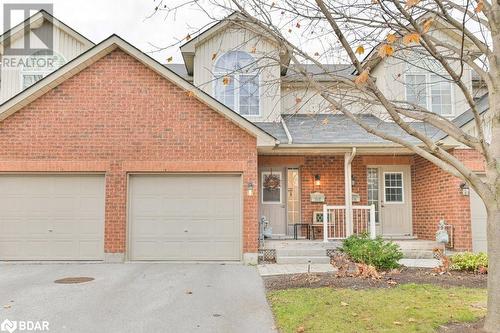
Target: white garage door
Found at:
185, 217
478, 223
51, 217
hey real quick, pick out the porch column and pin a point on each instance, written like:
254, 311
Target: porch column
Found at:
348, 190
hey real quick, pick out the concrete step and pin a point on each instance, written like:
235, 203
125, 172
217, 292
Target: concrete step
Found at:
302, 260
298, 252
417, 254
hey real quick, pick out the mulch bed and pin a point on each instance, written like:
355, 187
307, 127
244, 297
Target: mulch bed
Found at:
388, 280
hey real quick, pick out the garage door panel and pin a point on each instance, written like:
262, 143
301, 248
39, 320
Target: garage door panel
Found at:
197, 218
50, 216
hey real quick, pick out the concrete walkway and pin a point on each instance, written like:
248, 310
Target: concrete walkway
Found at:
283, 269
137, 297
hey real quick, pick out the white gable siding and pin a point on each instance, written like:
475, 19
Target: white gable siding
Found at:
64, 44
232, 39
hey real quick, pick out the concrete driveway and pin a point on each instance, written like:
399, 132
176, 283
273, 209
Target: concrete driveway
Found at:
137, 297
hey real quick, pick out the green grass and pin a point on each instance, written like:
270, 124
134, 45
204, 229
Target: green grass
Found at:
406, 308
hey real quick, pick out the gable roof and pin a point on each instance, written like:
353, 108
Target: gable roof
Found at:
188, 48
36, 21
107, 46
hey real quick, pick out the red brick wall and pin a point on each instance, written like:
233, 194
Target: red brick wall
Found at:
117, 116
437, 195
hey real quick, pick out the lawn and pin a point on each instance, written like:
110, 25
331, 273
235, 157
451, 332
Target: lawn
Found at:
405, 308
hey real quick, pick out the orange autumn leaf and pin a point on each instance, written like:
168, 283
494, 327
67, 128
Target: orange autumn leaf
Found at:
411, 38
362, 78
360, 50
479, 7
226, 80
411, 3
427, 25
385, 50
391, 38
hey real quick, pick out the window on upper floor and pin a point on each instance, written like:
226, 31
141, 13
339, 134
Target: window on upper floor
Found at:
428, 86
39, 65
430, 91
237, 83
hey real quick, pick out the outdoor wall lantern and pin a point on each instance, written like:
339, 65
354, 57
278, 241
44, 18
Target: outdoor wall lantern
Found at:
317, 180
464, 187
250, 189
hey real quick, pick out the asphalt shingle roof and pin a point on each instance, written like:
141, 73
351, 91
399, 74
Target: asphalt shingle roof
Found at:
338, 129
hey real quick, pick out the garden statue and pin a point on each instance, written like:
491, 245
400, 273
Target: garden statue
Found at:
442, 235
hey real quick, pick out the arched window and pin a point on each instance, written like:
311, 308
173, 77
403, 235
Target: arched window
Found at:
237, 82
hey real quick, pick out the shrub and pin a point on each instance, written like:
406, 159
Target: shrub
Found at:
468, 261
376, 252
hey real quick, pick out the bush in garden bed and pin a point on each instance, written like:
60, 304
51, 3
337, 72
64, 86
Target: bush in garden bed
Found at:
468, 261
375, 252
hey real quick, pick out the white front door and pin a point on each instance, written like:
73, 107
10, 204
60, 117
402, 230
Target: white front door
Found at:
395, 200
273, 199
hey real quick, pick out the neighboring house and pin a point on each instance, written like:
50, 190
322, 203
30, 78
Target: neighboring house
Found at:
113, 156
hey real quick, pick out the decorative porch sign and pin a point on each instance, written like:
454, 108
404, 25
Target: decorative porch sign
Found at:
317, 197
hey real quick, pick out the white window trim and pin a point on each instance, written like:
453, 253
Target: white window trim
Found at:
264, 173
220, 74
402, 189
378, 189
428, 99
23, 73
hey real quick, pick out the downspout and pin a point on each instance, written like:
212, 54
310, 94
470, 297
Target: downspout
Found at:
348, 190
287, 132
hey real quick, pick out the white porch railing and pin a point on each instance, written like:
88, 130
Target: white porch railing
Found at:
336, 225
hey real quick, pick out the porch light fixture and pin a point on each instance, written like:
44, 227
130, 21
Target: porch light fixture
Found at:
250, 189
353, 180
464, 187
317, 180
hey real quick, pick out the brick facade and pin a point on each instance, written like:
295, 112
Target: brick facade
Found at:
117, 116
437, 195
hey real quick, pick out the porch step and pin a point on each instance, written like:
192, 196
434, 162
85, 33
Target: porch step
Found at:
301, 252
417, 254
302, 259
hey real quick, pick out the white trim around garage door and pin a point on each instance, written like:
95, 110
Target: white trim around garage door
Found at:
128, 213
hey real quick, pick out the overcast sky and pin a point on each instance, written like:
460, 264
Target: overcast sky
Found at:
97, 19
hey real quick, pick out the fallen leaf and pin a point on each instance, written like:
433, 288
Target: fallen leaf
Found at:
397, 323
392, 282
344, 304
360, 49
427, 25
412, 320
301, 329
169, 59
391, 38
363, 77
385, 50
411, 38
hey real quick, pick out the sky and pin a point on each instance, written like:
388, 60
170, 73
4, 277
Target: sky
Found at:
98, 19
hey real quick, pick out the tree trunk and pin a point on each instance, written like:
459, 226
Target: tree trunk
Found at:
492, 322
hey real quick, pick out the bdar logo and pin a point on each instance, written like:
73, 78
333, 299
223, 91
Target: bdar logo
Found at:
8, 326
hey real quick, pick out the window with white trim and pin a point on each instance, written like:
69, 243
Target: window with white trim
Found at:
430, 91
393, 187
237, 83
